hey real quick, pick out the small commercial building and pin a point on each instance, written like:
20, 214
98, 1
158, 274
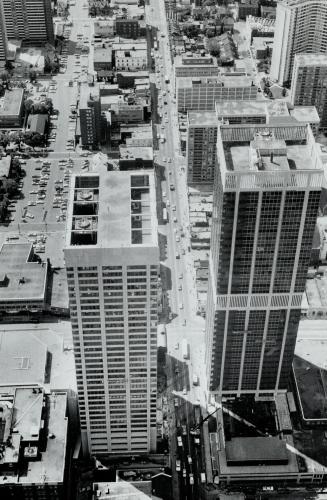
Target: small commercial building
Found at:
11, 108
23, 280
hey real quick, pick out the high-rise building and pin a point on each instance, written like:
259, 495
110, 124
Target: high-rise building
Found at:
89, 117
309, 83
301, 26
29, 21
266, 198
201, 94
112, 261
3, 38
201, 146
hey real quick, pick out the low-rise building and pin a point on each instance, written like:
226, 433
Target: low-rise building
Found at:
102, 58
11, 108
104, 29
248, 8
131, 59
135, 157
37, 123
127, 79
5, 166
23, 280
130, 28
33, 441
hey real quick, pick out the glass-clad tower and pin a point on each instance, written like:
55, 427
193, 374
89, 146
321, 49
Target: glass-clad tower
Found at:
266, 198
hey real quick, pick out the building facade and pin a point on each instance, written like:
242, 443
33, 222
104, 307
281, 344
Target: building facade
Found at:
309, 84
112, 261
301, 26
90, 118
3, 38
266, 198
29, 21
201, 146
202, 94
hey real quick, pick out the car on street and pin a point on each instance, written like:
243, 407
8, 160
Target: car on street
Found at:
178, 465
184, 472
172, 187
184, 390
176, 402
191, 479
181, 305
179, 441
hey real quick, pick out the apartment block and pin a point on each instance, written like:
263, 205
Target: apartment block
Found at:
112, 261
309, 84
301, 27
29, 21
266, 198
202, 94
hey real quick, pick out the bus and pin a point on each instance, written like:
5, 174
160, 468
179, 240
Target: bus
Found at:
165, 215
185, 349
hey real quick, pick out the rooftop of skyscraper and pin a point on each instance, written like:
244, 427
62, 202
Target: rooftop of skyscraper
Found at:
225, 80
112, 209
202, 118
269, 148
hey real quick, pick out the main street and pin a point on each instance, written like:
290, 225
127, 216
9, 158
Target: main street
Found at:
178, 276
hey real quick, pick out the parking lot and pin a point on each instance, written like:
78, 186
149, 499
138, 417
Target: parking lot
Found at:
38, 214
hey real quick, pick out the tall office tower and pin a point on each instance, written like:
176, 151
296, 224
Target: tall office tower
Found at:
301, 26
309, 84
201, 146
29, 21
266, 198
3, 38
112, 261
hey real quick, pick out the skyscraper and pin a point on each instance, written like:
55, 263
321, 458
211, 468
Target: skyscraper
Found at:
112, 260
301, 26
3, 38
266, 197
309, 83
29, 21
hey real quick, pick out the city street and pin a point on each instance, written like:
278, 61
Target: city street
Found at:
178, 276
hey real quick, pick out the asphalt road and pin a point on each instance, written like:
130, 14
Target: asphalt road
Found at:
178, 276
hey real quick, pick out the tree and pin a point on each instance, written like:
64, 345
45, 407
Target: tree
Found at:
214, 47
32, 75
9, 65
10, 186
5, 78
28, 105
